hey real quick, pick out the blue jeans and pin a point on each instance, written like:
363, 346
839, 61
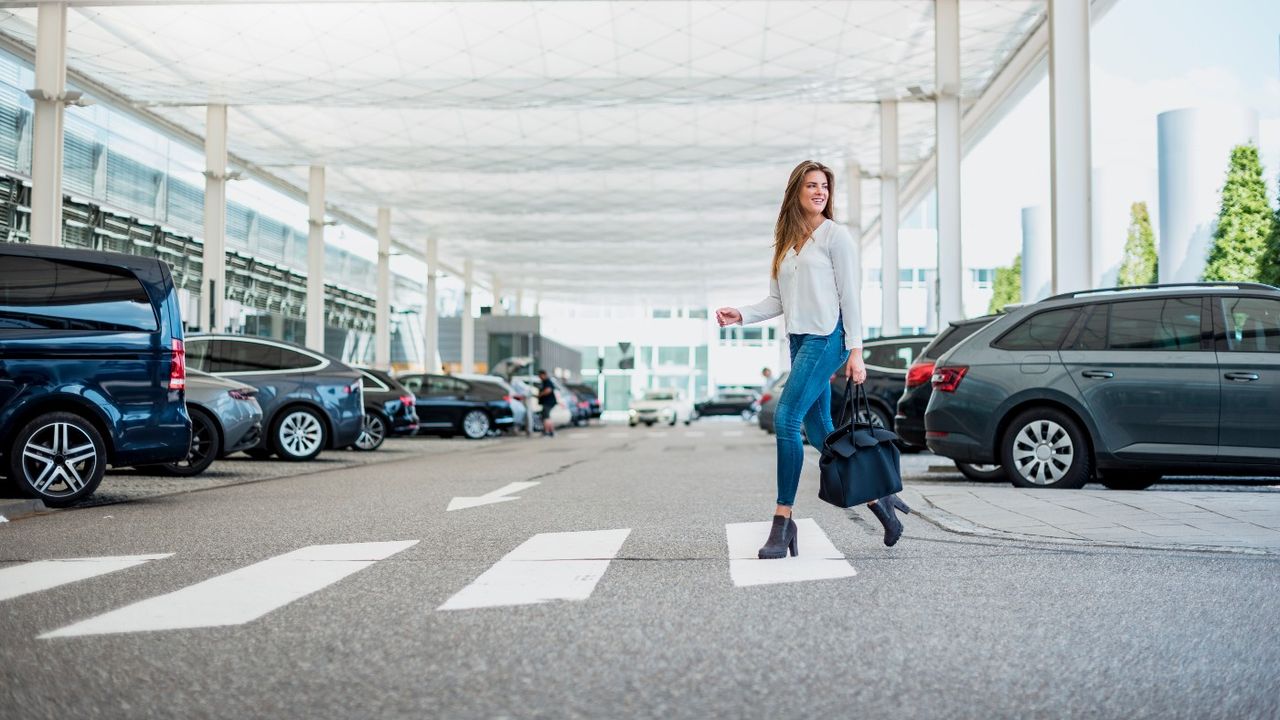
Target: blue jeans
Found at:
806, 399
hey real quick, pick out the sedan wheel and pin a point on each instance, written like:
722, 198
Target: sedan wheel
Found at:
475, 424
205, 444
373, 432
980, 473
298, 434
1045, 448
57, 458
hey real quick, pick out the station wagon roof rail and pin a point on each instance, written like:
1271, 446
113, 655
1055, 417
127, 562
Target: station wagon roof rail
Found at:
1165, 286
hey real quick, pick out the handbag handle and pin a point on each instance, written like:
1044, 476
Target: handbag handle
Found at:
849, 409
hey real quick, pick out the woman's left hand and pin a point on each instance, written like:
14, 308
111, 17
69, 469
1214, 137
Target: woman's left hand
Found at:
855, 369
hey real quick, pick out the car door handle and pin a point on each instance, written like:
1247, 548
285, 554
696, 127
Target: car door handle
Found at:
1242, 376
1098, 374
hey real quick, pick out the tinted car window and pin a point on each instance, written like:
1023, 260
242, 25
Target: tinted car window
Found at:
40, 293
897, 356
1093, 336
1157, 324
293, 360
440, 385
227, 356
372, 382
1253, 324
412, 382
1042, 331
951, 337
198, 355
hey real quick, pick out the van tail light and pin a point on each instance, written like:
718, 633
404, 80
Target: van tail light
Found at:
178, 365
407, 400
919, 373
947, 379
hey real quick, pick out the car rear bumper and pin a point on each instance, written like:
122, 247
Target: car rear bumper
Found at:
959, 446
911, 431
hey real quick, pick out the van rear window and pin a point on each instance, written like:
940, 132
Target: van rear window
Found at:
45, 294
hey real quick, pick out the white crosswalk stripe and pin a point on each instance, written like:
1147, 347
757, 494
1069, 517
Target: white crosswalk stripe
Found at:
818, 559
47, 574
240, 595
547, 566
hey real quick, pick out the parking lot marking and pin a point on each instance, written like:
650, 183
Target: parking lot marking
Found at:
547, 566
818, 558
502, 494
240, 595
46, 574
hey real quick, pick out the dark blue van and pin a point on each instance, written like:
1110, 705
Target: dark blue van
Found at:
92, 368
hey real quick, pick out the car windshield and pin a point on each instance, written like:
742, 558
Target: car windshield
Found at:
659, 395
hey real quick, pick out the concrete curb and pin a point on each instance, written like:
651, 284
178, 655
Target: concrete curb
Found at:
921, 506
18, 509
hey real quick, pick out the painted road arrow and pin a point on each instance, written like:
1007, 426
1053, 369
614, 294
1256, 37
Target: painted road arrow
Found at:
502, 494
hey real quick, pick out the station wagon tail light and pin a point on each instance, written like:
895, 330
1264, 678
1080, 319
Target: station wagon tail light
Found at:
947, 379
919, 374
178, 365
407, 400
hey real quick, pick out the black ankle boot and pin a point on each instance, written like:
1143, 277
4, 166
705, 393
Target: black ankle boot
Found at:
898, 504
782, 537
883, 510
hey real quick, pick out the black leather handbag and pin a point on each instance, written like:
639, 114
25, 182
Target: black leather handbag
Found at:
860, 461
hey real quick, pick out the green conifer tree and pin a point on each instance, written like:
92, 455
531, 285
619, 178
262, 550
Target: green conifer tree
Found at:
1140, 265
1245, 222
1006, 288
1271, 268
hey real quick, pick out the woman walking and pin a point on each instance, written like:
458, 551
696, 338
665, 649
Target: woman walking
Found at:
814, 286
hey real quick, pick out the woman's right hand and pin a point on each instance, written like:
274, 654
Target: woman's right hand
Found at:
728, 316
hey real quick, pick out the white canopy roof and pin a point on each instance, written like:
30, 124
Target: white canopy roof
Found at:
589, 149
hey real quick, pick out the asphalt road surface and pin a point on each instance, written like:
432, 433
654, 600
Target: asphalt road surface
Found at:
605, 573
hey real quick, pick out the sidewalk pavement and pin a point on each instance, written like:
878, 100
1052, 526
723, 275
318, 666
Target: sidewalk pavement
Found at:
1235, 521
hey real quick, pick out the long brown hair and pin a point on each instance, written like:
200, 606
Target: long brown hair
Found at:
792, 229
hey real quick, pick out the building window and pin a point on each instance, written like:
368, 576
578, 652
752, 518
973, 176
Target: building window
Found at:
698, 314
662, 313
668, 356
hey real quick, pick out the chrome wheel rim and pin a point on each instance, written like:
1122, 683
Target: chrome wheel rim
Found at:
1043, 452
301, 433
59, 459
372, 433
984, 468
475, 424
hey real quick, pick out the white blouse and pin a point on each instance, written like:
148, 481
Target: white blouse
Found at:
815, 287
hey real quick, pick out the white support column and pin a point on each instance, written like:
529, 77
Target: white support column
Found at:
315, 260
853, 199
1070, 152
468, 320
431, 313
889, 322
382, 302
213, 287
46, 136
497, 310
947, 117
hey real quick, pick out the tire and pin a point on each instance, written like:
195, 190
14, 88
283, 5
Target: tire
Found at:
475, 424
298, 434
981, 473
206, 444
1124, 480
374, 432
259, 453
1045, 448
57, 458
648, 424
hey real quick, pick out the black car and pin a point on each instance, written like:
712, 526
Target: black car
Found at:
887, 360
451, 406
1126, 383
310, 401
389, 409
92, 368
587, 394
908, 421
738, 403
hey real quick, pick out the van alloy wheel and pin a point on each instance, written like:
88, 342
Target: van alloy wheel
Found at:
299, 435
58, 458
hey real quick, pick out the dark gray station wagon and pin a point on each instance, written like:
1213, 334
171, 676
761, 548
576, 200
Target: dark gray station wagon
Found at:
1127, 383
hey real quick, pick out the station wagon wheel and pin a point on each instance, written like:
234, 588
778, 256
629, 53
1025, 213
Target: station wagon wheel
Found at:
373, 432
1045, 448
298, 434
475, 424
206, 442
57, 458
980, 473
